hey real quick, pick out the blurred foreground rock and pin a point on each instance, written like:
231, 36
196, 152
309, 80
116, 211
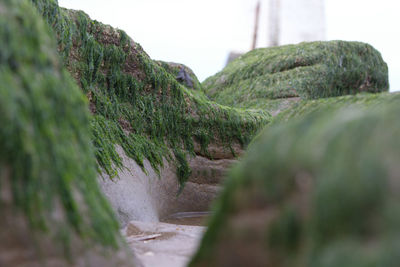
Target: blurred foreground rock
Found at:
52, 210
320, 190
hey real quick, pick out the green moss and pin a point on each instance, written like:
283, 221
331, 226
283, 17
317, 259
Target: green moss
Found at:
137, 103
304, 107
307, 70
44, 138
318, 190
182, 169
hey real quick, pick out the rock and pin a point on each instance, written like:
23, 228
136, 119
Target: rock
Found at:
182, 74
318, 190
265, 77
184, 77
304, 107
211, 172
22, 247
151, 197
218, 150
53, 213
137, 103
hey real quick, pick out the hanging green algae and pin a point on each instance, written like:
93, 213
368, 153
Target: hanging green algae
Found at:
46, 156
136, 102
265, 77
320, 190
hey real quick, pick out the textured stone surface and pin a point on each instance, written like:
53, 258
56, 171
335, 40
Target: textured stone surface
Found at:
139, 196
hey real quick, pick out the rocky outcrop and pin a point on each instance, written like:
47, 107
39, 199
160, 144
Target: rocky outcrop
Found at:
275, 78
146, 126
52, 210
137, 103
318, 190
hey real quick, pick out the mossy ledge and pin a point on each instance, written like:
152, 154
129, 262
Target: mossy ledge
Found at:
304, 107
135, 102
318, 190
267, 77
47, 165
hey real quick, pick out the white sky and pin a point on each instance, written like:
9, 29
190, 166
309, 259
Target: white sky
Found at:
200, 34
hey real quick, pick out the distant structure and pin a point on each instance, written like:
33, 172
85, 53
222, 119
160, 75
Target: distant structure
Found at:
295, 21
288, 22
232, 56
254, 44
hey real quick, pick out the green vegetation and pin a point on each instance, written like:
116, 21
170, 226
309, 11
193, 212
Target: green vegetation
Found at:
318, 190
47, 160
136, 103
264, 78
304, 107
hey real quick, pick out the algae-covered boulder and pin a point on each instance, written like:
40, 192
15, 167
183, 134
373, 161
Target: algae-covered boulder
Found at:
304, 107
136, 102
317, 191
189, 80
52, 211
267, 77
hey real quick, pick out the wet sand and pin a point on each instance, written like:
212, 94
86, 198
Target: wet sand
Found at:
164, 244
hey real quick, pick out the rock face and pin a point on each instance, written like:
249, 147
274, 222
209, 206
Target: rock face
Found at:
319, 190
53, 213
151, 197
265, 78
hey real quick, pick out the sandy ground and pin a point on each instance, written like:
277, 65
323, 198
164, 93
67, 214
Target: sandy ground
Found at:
163, 244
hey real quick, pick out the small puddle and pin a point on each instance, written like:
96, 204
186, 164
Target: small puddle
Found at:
194, 218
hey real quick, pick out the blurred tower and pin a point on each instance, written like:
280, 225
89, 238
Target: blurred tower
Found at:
257, 18
295, 21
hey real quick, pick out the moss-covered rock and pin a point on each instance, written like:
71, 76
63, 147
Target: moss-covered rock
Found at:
319, 190
264, 77
136, 102
47, 162
302, 108
176, 68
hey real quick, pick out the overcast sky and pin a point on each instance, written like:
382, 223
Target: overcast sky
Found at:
200, 34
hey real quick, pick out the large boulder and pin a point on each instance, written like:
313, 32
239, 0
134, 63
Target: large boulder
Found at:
52, 210
275, 78
148, 129
137, 103
320, 190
